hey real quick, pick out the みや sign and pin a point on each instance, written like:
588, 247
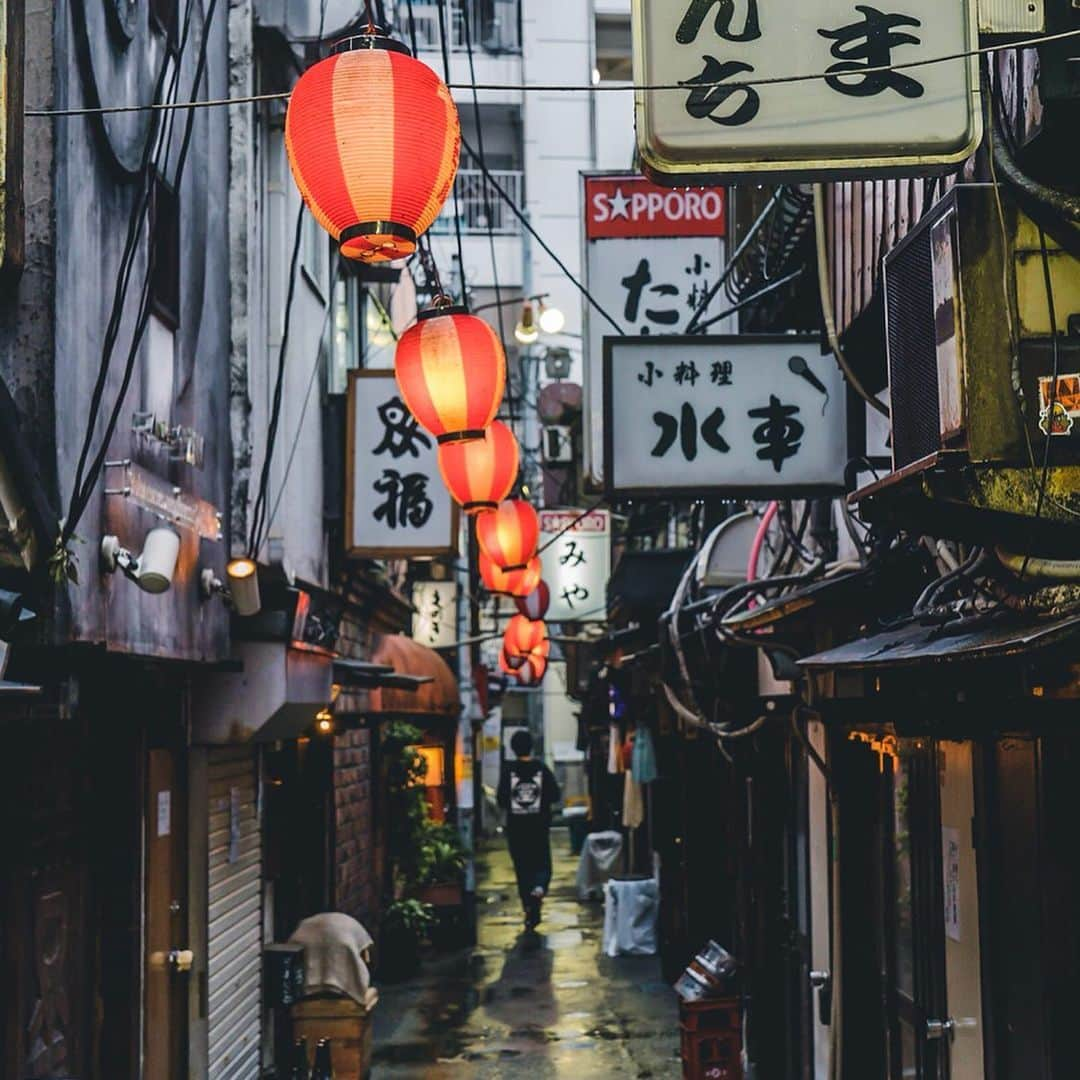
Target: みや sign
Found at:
632, 206
739, 415
577, 563
810, 90
396, 504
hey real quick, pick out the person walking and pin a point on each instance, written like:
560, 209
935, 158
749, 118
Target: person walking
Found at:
527, 792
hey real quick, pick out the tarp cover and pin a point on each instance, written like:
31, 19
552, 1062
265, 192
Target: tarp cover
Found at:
334, 945
630, 911
599, 859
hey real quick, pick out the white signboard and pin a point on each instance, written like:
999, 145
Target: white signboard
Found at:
396, 502
577, 563
950, 847
651, 258
435, 613
848, 102
743, 415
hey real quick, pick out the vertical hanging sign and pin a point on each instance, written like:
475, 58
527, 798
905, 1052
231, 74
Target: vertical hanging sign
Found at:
577, 563
651, 258
814, 90
435, 613
396, 503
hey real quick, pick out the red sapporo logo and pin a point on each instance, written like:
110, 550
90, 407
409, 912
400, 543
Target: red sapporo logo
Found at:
632, 206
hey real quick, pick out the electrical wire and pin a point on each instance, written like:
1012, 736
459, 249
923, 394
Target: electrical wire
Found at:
600, 88
444, 41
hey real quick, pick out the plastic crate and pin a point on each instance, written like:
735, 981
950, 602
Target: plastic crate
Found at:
711, 1039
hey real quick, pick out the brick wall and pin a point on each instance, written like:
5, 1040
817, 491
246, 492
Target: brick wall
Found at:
354, 883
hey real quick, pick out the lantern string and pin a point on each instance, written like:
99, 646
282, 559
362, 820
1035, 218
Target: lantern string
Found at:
595, 88
444, 42
563, 531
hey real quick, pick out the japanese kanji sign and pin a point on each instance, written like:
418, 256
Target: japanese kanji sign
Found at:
716, 414
396, 502
435, 613
650, 261
577, 563
851, 105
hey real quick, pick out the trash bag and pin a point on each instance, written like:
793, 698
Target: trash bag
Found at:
630, 912
599, 860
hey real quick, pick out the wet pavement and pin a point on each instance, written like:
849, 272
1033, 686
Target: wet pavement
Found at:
516, 1005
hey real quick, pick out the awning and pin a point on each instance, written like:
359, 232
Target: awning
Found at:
275, 695
1001, 635
422, 685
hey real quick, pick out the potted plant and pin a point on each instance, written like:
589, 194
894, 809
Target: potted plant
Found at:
404, 924
440, 869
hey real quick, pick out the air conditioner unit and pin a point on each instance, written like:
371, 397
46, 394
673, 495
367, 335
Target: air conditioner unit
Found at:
558, 445
952, 291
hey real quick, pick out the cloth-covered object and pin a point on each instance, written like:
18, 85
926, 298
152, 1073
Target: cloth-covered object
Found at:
643, 763
334, 945
599, 860
630, 912
633, 806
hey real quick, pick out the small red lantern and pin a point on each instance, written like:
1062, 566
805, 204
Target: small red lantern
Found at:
509, 665
533, 672
451, 371
535, 605
523, 635
480, 473
509, 534
373, 139
512, 582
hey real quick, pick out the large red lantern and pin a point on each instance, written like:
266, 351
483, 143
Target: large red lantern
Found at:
373, 139
509, 534
532, 673
480, 473
535, 605
512, 582
451, 371
522, 635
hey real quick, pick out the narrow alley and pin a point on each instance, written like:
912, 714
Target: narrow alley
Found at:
544, 1005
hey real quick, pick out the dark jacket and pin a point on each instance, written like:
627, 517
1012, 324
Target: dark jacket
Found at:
527, 792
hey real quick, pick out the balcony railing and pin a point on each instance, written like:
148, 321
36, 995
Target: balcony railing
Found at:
494, 25
473, 209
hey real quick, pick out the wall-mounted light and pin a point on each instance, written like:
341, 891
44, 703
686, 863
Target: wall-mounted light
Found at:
244, 586
552, 320
324, 722
526, 331
152, 570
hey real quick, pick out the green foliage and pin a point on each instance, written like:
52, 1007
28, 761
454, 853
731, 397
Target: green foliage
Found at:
410, 918
441, 858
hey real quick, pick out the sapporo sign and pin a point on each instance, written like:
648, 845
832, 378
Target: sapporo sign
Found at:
577, 563
695, 415
811, 90
651, 257
396, 503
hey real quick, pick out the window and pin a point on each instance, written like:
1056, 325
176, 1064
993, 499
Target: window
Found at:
613, 49
379, 340
344, 346
314, 254
165, 252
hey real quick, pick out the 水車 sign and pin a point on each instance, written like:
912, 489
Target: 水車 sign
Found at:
396, 502
751, 414
815, 89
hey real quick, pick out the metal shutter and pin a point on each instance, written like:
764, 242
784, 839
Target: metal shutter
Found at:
234, 926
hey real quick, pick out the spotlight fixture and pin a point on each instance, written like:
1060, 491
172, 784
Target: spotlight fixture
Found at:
324, 722
152, 570
244, 586
526, 331
552, 320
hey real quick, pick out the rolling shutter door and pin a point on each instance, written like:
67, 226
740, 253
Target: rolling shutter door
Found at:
234, 928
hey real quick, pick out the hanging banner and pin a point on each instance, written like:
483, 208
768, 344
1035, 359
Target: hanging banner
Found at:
577, 563
396, 503
822, 89
434, 621
745, 415
651, 257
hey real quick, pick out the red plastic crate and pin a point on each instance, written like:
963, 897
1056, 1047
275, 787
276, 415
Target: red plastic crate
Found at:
711, 1034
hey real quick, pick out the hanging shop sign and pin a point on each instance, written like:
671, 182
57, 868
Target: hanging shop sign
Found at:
651, 258
396, 503
848, 102
434, 621
739, 415
577, 563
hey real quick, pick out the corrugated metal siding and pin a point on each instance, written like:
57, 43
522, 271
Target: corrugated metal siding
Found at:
234, 931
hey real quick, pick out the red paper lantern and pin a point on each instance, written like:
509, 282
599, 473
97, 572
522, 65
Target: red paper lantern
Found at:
373, 139
535, 605
509, 534
523, 635
512, 582
509, 665
480, 473
451, 371
532, 673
